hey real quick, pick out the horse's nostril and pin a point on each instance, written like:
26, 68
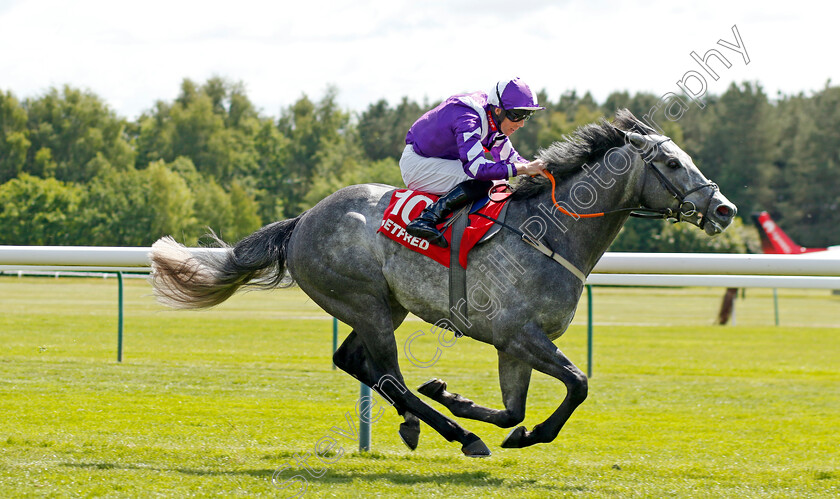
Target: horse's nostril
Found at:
724, 211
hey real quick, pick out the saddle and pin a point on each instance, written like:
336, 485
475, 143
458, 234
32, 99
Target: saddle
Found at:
406, 205
464, 230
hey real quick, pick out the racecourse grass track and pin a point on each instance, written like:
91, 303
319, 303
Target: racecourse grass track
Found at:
211, 403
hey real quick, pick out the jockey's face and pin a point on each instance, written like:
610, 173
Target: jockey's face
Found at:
506, 126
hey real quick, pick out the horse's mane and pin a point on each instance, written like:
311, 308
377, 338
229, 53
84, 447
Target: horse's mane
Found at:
585, 145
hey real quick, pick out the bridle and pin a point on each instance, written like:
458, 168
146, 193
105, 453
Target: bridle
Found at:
685, 209
639, 212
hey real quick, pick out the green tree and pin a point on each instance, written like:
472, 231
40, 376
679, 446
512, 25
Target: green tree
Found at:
135, 208
246, 218
212, 205
737, 151
35, 211
274, 157
14, 137
171, 201
382, 129
667, 237
214, 125
73, 134
810, 201
318, 148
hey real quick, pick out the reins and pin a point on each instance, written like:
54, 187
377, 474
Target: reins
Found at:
547, 174
641, 211
638, 212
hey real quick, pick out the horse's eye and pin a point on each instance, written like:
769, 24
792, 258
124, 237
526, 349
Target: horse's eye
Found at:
673, 163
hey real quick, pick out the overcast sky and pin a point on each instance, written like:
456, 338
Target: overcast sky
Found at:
134, 53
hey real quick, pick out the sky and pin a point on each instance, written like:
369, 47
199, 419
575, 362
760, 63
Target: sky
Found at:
132, 54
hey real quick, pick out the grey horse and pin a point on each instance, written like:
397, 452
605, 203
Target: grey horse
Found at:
519, 300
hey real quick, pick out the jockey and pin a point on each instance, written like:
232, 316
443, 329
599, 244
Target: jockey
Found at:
444, 152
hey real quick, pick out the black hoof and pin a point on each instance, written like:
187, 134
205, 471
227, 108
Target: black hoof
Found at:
475, 448
410, 435
516, 439
432, 388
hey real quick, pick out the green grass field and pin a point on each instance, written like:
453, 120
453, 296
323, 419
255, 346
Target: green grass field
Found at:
210, 404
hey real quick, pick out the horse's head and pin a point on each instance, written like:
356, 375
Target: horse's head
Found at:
673, 183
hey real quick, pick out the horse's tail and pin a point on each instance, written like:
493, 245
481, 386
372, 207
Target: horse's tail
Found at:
182, 279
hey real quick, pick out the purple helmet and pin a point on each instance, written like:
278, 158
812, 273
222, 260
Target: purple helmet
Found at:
513, 94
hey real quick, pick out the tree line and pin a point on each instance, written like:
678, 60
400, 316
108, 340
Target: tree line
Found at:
72, 172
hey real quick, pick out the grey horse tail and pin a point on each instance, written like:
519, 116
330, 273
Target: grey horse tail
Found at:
183, 279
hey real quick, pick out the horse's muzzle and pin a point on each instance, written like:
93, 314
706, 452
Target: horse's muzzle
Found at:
719, 214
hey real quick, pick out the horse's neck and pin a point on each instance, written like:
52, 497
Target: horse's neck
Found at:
583, 240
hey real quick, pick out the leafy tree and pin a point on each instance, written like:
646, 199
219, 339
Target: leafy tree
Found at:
208, 159
14, 137
73, 134
35, 211
528, 139
736, 151
213, 125
664, 236
171, 201
811, 203
384, 171
382, 129
616, 101
315, 132
274, 157
212, 205
245, 212
136, 207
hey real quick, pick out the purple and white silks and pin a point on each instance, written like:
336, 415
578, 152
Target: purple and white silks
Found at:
459, 128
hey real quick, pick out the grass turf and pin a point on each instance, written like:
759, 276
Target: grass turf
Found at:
213, 403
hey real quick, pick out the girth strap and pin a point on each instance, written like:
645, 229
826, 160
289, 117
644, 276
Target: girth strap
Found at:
457, 273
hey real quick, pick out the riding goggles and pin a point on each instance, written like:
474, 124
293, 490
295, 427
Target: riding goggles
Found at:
518, 114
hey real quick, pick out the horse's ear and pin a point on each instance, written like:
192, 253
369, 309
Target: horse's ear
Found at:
636, 139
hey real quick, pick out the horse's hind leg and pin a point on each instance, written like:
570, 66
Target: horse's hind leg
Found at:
376, 353
351, 357
514, 377
391, 385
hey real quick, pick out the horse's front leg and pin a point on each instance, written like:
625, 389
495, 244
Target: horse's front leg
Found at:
514, 377
532, 346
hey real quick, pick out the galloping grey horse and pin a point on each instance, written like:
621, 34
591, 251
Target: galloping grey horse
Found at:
334, 254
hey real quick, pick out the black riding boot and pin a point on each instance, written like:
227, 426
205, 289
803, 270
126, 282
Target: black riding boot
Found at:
424, 226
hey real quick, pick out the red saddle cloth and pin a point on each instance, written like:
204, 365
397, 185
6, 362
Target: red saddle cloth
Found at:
406, 205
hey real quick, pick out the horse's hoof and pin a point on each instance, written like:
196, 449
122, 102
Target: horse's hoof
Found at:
516, 438
476, 448
410, 435
432, 388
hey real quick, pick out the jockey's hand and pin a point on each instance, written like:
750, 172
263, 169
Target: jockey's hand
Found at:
533, 168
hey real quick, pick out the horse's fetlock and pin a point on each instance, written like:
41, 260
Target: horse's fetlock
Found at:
511, 419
